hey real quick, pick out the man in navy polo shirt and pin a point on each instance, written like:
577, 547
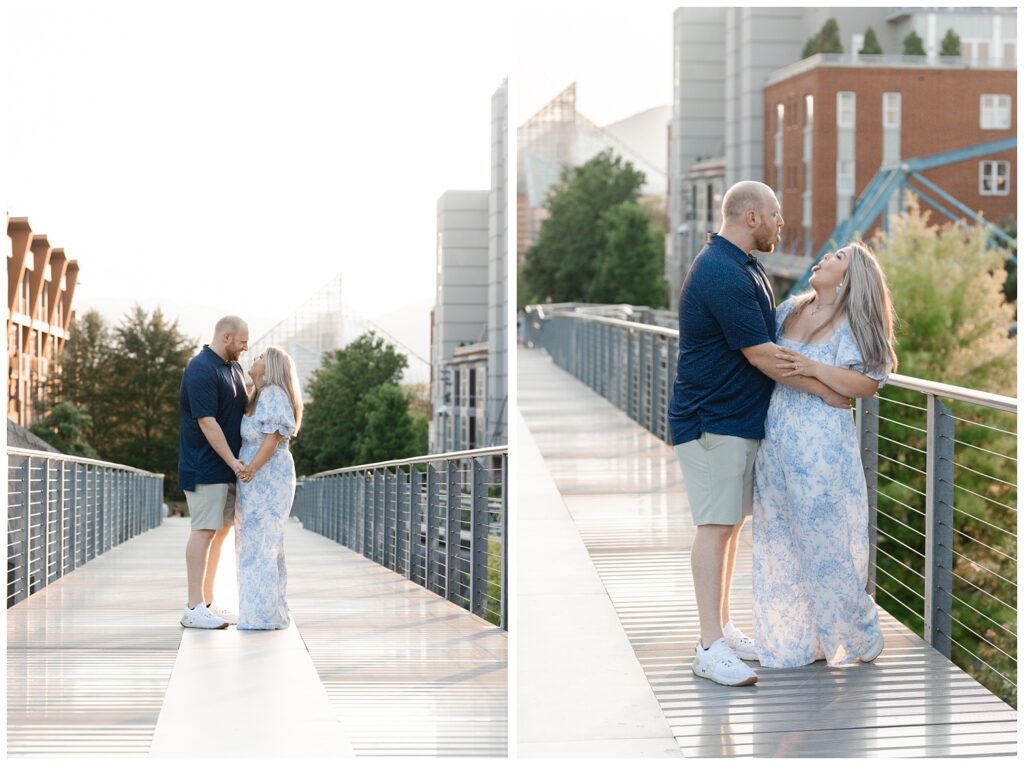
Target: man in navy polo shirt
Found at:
724, 382
211, 403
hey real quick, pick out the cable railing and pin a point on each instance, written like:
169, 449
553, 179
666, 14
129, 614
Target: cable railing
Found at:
940, 463
440, 520
63, 511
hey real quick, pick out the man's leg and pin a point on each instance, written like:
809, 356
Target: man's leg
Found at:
707, 562
217, 542
196, 552
730, 566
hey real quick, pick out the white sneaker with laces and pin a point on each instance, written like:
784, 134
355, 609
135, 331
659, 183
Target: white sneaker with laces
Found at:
218, 610
201, 618
740, 644
720, 664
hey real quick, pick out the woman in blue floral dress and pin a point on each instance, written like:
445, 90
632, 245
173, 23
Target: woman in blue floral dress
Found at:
810, 519
266, 491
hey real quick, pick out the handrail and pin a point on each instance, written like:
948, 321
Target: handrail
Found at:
465, 454
61, 457
944, 390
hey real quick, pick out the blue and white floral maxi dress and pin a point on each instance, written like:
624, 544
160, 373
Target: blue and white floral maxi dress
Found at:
260, 514
811, 522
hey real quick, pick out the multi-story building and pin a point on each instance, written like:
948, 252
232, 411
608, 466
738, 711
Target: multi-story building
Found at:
469, 329
834, 120
40, 287
724, 56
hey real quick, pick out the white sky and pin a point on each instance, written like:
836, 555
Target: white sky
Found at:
232, 157
619, 54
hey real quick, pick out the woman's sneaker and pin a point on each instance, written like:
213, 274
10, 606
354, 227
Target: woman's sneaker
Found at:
740, 644
720, 664
874, 650
201, 618
217, 610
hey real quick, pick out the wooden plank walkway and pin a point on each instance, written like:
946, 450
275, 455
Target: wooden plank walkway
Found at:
624, 491
91, 657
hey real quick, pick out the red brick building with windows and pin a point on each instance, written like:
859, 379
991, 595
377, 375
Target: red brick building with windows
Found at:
830, 127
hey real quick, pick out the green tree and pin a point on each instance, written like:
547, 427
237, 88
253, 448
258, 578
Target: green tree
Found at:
84, 364
947, 286
870, 42
631, 260
827, 40
913, 45
1009, 226
63, 428
950, 44
335, 418
389, 433
140, 424
561, 265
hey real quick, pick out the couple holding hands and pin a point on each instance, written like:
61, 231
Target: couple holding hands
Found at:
235, 434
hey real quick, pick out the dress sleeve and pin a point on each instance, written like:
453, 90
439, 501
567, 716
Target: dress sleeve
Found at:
274, 413
781, 313
848, 356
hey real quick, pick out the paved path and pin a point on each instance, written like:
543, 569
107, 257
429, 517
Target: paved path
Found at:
623, 491
99, 666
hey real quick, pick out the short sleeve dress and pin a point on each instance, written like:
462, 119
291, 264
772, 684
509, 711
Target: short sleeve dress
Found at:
810, 524
261, 512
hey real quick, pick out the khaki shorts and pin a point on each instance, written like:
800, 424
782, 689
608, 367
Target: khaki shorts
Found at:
719, 475
211, 505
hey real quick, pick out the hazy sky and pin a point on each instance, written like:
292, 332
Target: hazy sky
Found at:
235, 156
619, 54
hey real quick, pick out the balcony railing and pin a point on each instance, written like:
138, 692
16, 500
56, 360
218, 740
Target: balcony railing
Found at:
940, 463
440, 520
63, 511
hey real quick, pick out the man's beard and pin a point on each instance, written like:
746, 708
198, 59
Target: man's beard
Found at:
767, 242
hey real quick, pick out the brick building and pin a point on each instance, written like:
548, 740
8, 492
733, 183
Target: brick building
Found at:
40, 286
831, 124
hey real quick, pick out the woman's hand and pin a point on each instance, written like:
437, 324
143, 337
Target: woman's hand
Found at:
247, 473
796, 363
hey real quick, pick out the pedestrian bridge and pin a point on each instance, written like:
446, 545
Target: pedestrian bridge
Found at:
605, 538
374, 663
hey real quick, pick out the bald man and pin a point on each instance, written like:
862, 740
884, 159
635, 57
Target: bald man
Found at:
724, 381
211, 402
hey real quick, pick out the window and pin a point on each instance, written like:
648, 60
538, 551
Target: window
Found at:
844, 176
808, 110
472, 387
995, 111
994, 178
846, 109
891, 110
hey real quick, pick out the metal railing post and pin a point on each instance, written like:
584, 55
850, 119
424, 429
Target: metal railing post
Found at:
415, 484
453, 527
390, 490
433, 518
504, 541
938, 592
478, 529
867, 436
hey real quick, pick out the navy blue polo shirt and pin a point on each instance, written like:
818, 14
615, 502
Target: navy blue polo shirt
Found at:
210, 387
726, 303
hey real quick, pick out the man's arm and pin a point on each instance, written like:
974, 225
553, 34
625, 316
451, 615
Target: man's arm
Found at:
763, 358
215, 436
845, 382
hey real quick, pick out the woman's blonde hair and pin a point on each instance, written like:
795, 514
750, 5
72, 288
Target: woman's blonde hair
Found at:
864, 299
280, 370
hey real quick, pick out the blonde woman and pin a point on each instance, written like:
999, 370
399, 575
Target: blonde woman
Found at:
810, 497
266, 490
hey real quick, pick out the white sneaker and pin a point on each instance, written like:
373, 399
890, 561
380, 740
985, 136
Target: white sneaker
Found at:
874, 650
740, 644
217, 610
201, 618
720, 664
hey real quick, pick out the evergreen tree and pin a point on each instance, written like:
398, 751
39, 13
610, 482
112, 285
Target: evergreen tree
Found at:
913, 45
631, 261
827, 40
389, 433
950, 44
84, 364
870, 42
